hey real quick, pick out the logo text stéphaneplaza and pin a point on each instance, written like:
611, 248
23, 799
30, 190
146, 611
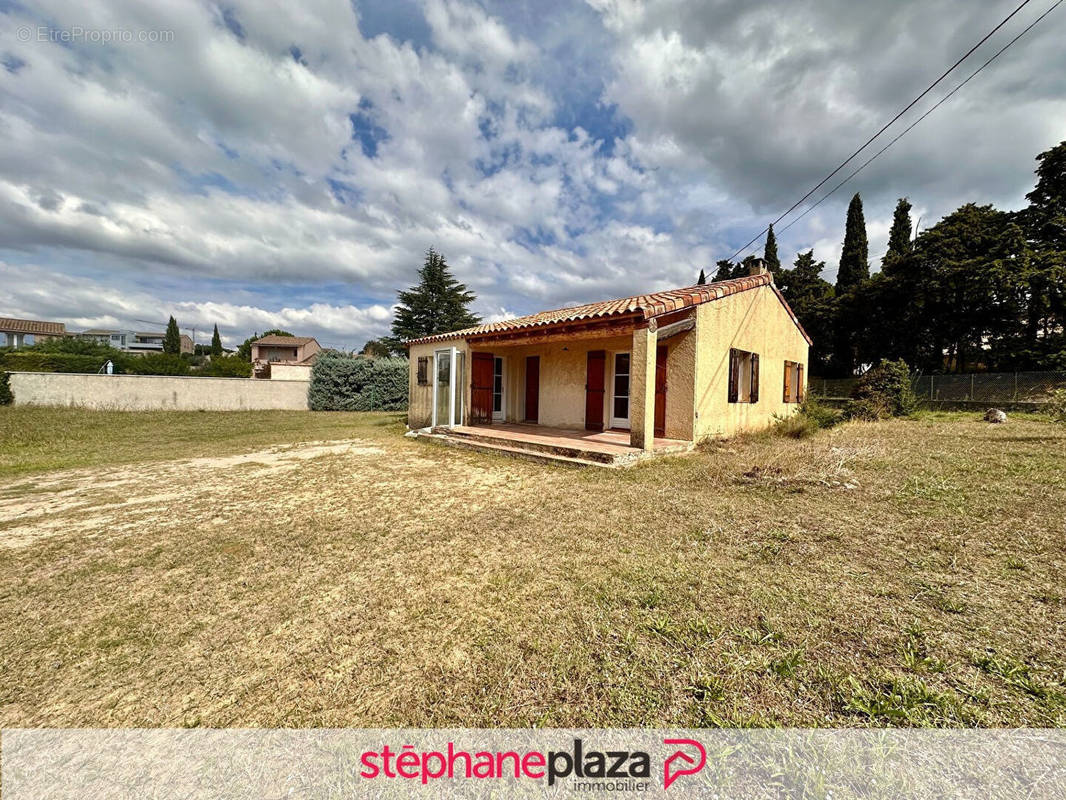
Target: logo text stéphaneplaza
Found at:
626, 769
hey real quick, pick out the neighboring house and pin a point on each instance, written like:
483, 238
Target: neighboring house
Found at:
132, 341
284, 357
16, 330
665, 369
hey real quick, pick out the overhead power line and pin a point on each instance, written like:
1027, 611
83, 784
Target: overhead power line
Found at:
885, 127
914, 124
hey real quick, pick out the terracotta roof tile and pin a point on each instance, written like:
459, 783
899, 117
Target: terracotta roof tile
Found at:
291, 341
36, 326
642, 306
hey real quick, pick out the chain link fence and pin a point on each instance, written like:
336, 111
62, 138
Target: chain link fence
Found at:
975, 387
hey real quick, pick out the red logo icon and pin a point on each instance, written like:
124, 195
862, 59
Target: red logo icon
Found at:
692, 763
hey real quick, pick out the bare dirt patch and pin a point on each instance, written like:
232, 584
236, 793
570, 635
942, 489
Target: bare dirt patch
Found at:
85, 500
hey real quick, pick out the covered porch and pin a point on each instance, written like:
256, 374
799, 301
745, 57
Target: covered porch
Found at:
556, 445
618, 385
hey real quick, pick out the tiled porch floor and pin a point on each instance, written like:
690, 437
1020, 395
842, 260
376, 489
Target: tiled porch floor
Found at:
610, 442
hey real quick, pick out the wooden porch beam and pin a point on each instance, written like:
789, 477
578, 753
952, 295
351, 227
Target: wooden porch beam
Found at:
674, 328
599, 330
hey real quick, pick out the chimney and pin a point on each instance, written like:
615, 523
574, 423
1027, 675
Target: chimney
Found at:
758, 267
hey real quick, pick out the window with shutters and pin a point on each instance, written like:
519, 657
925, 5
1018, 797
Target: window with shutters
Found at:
743, 376
423, 371
793, 390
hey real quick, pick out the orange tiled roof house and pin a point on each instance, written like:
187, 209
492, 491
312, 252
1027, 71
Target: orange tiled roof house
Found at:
284, 357
683, 365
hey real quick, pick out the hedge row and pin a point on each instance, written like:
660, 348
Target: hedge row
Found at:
122, 363
341, 382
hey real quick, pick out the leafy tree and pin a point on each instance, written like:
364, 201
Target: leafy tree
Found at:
172, 338
438, 304
377, 348
216, 344
725, 270
853, 270
6, 397
1044, 220
855, 254
773, 263
899, 236
702, 279
812, 299
968, 283
245, 350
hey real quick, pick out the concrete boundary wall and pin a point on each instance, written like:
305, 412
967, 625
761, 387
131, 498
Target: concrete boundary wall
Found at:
156, 392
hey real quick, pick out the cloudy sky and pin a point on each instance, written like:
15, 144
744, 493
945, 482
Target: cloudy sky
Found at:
258, 165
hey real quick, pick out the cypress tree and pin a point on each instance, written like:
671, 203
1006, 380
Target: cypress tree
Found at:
216, 343
438, 304
172, 338
899, 237
855, 255
703, 278
769, 255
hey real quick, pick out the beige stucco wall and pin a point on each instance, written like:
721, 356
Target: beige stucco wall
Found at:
757, 322
156, 392
563, 372
290, 372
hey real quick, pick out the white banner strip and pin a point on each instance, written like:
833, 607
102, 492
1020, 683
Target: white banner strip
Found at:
139, 764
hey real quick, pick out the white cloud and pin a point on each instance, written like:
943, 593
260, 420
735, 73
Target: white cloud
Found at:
263, 154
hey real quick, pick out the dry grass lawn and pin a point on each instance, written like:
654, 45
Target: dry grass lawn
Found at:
284, 569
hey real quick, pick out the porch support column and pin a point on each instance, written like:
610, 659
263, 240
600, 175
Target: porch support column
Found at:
642, 388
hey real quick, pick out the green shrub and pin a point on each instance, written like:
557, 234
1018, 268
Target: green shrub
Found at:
341, 382
808, 419
41, 361
6, 397
1055, 407
157, 364
227, 367
884, 391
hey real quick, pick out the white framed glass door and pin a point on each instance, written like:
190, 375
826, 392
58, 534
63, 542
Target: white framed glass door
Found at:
620, 391
497, 389
448, 388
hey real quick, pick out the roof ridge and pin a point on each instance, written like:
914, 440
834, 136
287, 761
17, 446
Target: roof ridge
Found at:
647, 305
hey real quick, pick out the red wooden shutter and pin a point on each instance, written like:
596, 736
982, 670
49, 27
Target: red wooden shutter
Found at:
481, 380
594, 389
801, 389
788, 374
734, 375
754, 397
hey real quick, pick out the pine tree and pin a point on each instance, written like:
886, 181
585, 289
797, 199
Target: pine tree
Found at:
855, 255
216, 343
172, 338
703, 278
438, 304
899, 237
773, 263
725, 271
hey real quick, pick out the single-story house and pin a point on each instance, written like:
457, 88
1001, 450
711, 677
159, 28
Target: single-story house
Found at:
284, 357
650, 372
16, 331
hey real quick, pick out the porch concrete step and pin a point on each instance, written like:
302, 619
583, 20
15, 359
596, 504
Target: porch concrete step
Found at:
553, 448
528, 454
